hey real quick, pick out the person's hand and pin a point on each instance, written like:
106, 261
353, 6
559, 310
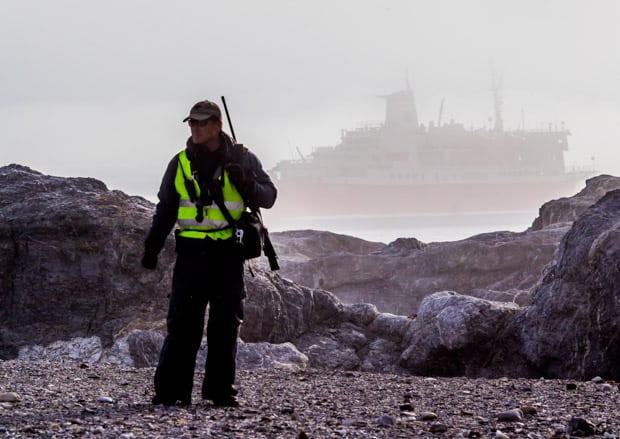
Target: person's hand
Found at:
239, 178
236, 174
149, 261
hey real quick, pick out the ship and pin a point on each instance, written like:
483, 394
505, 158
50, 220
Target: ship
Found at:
401, 166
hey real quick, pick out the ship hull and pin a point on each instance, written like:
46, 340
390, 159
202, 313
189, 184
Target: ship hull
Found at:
307, 198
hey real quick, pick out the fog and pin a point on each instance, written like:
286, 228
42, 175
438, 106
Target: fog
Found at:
99, 89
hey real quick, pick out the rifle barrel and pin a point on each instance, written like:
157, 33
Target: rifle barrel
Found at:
232, 130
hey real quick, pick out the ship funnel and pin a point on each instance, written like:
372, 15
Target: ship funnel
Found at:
400, 111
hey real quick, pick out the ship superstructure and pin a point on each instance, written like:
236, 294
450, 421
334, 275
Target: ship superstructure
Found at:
404, 166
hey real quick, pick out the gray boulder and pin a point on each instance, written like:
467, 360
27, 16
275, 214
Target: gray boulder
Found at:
572, 329
277, 310
326, 351
454, 335
70, 254
563, 211
363, 340
143, 347
270, 356
84, 349
382, 356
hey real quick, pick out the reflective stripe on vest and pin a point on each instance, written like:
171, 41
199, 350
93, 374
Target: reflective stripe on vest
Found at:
213, 219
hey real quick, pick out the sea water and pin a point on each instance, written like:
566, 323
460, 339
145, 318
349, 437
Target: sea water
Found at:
426, 227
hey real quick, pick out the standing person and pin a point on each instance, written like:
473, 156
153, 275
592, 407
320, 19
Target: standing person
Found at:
209, 265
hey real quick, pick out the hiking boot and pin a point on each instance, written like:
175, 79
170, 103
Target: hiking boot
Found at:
211, 394
225, 401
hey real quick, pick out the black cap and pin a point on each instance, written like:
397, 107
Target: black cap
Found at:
204, 110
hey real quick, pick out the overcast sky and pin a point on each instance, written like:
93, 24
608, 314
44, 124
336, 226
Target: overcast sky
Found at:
99, 88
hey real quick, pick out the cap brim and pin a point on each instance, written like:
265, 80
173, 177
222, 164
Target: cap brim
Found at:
198, 117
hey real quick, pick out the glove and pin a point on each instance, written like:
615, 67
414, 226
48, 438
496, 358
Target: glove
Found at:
239, 179
149, 261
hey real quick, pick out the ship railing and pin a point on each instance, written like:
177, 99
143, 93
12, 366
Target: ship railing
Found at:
581, 169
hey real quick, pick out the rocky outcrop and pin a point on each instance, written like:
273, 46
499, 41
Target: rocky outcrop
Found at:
496, 266
572, 328
71, 285
563, 211
70, 251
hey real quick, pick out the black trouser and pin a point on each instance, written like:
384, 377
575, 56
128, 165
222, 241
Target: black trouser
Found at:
213, 276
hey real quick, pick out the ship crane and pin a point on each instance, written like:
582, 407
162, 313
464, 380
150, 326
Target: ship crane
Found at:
300, 154
440, 111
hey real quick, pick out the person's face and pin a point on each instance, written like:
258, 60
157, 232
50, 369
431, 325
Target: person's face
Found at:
205, 131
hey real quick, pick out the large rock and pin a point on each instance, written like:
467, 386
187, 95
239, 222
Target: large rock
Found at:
270, 356
70, 254
563, 211
363, 339
455, 335
277, 310
572, 329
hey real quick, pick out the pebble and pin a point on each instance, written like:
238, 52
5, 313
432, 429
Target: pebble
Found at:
10, 397
514, 415
438, 427
500, 435
529, 410
581, 427
607, 387
105, 399
427, 416
385, 420
598, 380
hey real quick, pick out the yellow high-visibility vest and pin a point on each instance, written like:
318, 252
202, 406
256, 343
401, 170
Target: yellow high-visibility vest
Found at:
214, 224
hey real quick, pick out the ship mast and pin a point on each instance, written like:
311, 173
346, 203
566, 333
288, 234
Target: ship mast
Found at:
497, 102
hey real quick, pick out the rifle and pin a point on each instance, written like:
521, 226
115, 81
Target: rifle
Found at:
267, 246
232, 130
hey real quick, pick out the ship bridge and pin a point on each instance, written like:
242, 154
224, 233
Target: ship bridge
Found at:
400, 111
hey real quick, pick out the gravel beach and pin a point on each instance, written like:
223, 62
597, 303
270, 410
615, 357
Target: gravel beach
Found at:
72, 399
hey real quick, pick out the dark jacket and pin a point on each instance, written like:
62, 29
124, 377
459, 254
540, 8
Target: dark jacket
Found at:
260, 192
